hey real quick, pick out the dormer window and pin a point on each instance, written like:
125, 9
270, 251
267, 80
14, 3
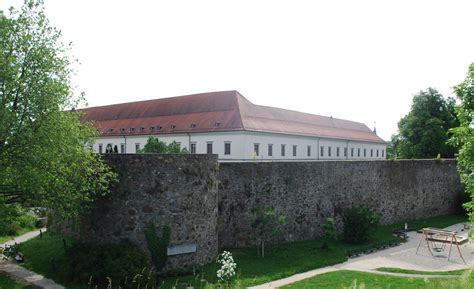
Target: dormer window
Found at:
173, 126
111, 130
152, 128
132, 129
159, 127
122, 129
193, 125
142, 129
217, 124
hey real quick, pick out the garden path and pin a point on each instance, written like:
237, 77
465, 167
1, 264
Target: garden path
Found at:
403, 256
17, 272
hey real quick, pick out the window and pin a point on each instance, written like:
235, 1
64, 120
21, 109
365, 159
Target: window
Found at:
345, 152
322, 151
294, 150
122, 148
256, 148
270, 150
100, 148
227, 148
109, 148
132, 129
193, 147
137, 147
383, 153
329, 151
209, 148
358, 152
173, 126
365, 153
352, 152
337, 152
152, 128
371, 153
308, 151
377, 154
193, 125
282, 150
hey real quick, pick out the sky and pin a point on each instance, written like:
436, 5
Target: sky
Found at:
356, 60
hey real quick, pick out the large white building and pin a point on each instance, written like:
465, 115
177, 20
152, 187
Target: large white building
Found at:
227, 124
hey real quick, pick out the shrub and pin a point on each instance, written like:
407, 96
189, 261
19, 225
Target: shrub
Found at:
96, 263
359, 223
329, 228
13, 219
158, 245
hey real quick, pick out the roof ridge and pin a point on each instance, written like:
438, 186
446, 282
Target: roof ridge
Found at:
310, 124
311, 114
158, 99
237, 94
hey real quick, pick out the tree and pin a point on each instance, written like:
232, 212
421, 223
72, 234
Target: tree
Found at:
463, 136
267, 224
44, 160
423, 132
156, 146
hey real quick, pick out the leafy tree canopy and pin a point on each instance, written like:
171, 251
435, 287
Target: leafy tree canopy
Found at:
156, 146
423, 132
44, 160
463, 136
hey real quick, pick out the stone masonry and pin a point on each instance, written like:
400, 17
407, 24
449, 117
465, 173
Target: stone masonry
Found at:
175, 190
309, 192
210, 204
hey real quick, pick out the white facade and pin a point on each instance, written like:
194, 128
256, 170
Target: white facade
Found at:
250, 146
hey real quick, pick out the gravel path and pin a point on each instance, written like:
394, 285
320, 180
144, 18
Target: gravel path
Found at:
403, 256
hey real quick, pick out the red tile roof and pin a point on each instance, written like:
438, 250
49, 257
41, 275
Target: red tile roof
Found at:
217, 111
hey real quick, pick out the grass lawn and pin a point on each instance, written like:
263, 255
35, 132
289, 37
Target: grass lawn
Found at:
281, 260
353, 279
46, 256
398, 270
8, 283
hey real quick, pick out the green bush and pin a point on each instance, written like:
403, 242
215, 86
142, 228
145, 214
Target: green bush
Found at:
13, 219
158, 245
359, 222
123, 263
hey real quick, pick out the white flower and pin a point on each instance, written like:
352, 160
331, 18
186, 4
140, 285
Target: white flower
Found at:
228, 266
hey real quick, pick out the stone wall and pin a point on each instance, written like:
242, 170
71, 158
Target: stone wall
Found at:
309, 192
175, 190
210, 204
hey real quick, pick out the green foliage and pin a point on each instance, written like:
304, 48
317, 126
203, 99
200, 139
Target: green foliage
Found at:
267, 223
359, 222
14, 219
286, 260
156, 146
43, 160
329, 229
158, 245
96, 263
423, 132
463, 136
